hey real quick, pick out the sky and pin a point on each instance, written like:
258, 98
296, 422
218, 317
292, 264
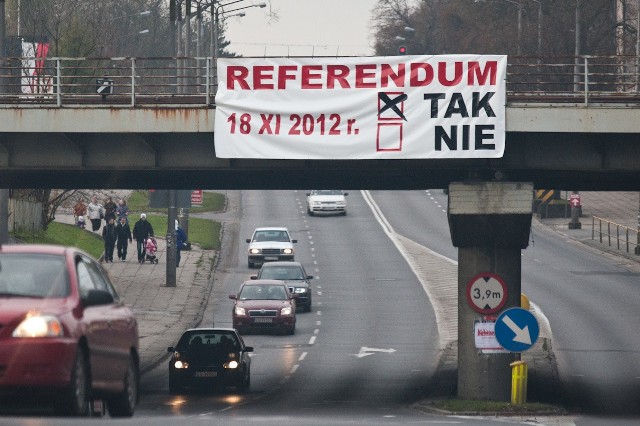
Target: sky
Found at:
302, 28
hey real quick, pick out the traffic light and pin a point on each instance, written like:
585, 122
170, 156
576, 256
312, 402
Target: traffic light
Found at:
402, 50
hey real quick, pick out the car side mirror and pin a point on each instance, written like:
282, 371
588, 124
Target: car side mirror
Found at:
294, 241
309, 277
248, 240
345, 194
248, 348
254, 277
97, 297
233, 296
171, 349
308, 193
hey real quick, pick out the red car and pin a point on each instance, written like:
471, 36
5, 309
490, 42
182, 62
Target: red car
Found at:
264, 305
65, 335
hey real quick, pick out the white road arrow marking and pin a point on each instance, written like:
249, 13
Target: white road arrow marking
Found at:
365, 351
522, 334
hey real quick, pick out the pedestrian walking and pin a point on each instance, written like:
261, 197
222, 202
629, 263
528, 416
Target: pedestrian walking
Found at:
109, 236
123, 233
110, 210
122, 210
79, 210
141, 231
95, 212
181, 242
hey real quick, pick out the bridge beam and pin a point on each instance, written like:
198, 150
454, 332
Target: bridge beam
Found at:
490, 224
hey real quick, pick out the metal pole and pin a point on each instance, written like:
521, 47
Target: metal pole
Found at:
519, 26
216, 22
576, 67
4, 192
171, 239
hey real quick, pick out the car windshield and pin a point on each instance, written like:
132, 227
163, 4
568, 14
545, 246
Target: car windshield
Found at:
33, 275
207, 340
281, 273
327, 192
263, 292
260, 236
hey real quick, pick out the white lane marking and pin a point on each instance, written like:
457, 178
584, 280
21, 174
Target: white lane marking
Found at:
318, 322
303, 355
319, 293
312, 340
316, 331
319, 313
294, 368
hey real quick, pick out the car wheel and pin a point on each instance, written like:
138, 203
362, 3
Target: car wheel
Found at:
124, 403
307, 307
246, 383
292, 330
75, 401
344, 213
250, 264
309, 211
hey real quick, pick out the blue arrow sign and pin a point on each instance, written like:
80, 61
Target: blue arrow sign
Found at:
517, 329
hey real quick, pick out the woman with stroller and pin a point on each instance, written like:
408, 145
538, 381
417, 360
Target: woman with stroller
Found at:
141, 231
124, 238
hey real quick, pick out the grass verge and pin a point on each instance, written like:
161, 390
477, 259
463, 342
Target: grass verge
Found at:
138, 202
461, 406
66, 235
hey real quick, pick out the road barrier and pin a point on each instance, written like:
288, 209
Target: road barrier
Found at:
130, 82
605, 232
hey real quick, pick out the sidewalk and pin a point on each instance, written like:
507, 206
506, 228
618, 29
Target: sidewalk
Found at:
618, 207
163, 312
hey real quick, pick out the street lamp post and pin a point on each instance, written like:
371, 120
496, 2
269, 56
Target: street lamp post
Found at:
215, 22
519, 5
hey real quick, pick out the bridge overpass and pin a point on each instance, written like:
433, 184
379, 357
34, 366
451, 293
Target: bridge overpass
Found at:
572, 125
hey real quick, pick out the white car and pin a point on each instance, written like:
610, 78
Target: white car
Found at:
269, 244
327, 201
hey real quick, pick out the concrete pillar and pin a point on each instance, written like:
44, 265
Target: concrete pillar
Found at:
490, 224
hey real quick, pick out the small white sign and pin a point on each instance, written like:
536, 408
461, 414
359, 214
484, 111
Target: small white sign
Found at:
485, 338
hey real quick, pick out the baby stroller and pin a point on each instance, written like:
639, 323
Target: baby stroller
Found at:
80, 222
150, 247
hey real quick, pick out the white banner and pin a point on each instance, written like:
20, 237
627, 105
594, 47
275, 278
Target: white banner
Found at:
397, 107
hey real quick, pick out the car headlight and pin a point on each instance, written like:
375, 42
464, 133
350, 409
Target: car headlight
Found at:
36, 325
180, 365
231, 364
287, 251
300, 290
240, 311
315, 203
286, 311
254, 251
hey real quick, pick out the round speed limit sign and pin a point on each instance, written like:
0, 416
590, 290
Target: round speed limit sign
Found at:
486, 293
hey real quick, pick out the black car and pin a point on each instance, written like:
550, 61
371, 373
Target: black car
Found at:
294, 275
206, 358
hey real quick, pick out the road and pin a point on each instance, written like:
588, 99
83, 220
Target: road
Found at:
369, 347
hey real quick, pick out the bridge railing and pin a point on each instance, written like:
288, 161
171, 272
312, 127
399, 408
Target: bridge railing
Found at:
131, 82
624, 238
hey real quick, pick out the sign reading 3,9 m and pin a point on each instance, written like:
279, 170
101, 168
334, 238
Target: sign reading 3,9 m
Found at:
486, 293
409, 107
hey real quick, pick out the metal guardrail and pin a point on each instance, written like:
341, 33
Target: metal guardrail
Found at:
628, 234
131, 82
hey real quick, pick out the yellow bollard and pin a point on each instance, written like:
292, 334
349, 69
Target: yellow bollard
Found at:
524, 302
519, 376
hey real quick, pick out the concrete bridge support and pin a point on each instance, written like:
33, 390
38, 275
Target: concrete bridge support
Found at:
490, 224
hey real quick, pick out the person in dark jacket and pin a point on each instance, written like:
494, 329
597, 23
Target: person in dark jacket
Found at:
124, 238
110, 210
109, 236
141, 231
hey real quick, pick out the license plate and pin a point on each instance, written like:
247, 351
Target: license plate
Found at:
263, 320
270, 258
206, 374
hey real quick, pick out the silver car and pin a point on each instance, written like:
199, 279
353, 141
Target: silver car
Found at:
326, 201
269, 244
